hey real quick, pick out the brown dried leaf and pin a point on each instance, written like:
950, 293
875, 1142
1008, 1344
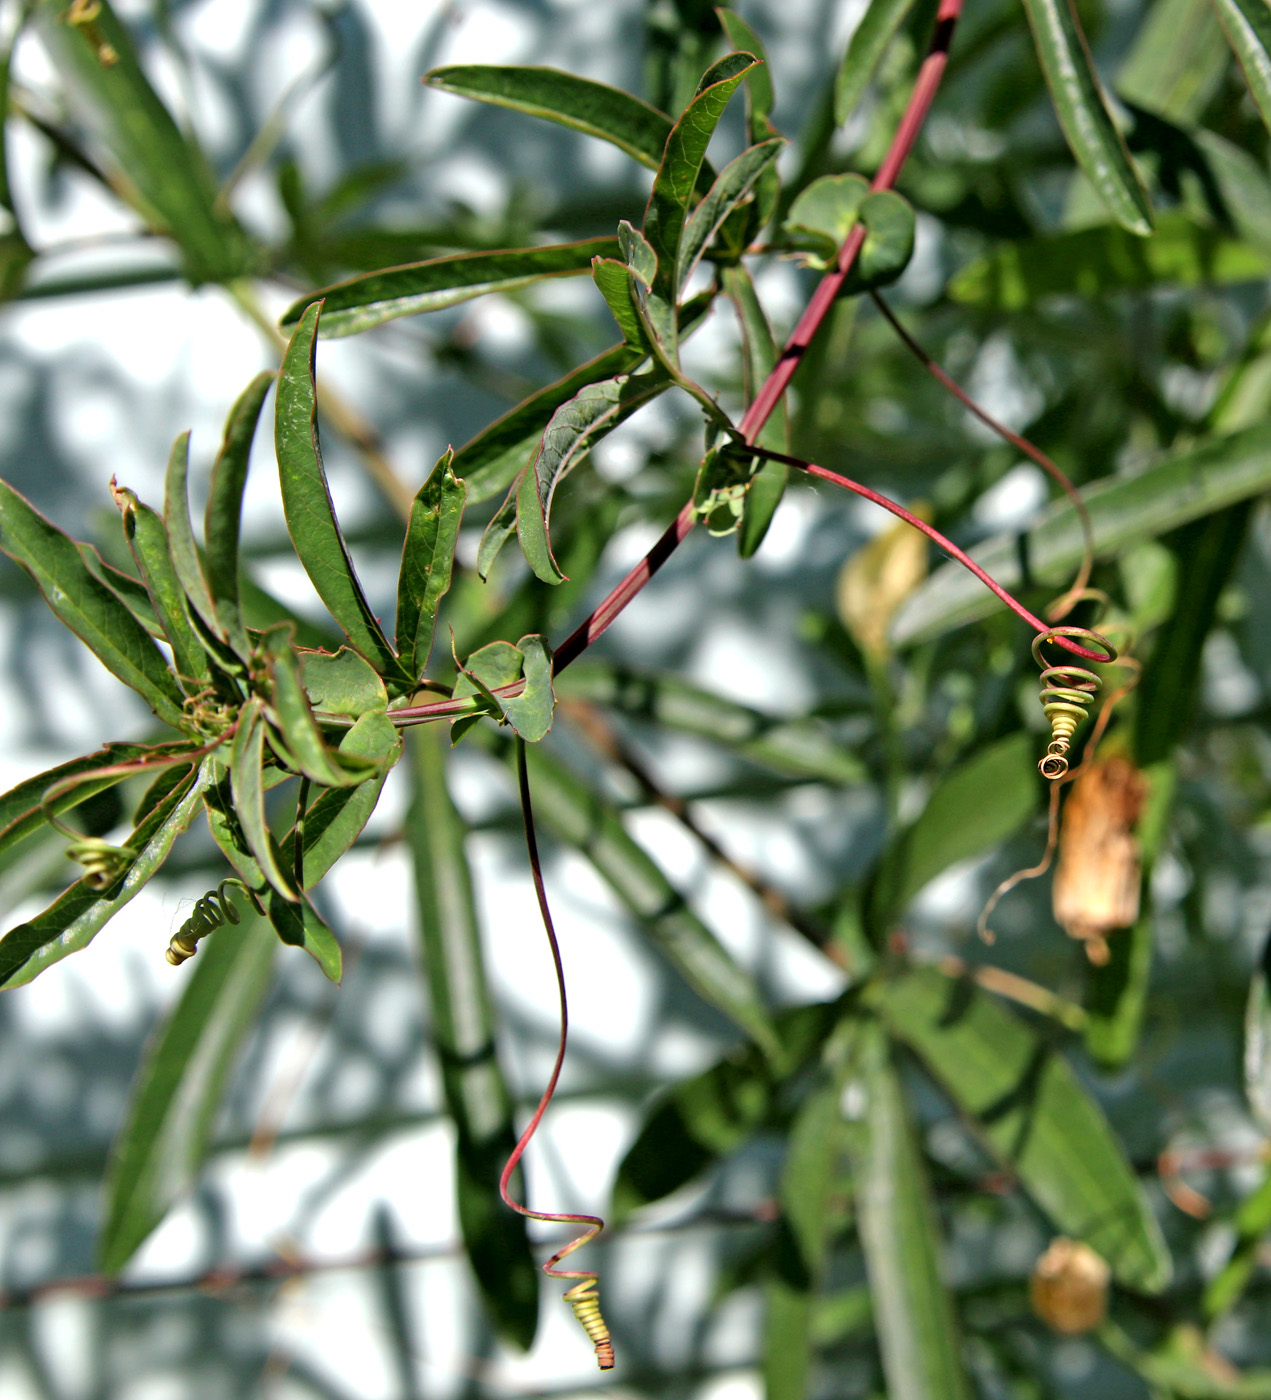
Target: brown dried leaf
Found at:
1069, 1287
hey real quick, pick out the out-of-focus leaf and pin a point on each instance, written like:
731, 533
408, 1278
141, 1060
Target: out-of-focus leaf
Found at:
913, 1312
1252, 1222
307, 503
342, 684
181, 543
573, 430
223, 518
376, 297
877, 28
157, 1155
1176, 62
86, 606
1199, 480
682, 163
594, 108
824, 213
427, 557
463, 1032
978, 804
498, 453
1247, 25
711, 1114
735, 182
148, 541
581, 817
246, 761
1026, 1104
164, 170
1092, 262
759, 90
1083, 114
338, 816
801, 748
72, 920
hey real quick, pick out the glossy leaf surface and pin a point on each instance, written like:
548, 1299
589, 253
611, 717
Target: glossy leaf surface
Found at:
427, 557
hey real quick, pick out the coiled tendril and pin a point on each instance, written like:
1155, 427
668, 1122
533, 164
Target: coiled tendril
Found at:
210, 912
1067, 690
103, 863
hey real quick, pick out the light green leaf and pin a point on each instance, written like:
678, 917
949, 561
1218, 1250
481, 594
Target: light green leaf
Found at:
181, 542
307, 749
1093, 262
877, 27
1202, 478
247, 759
342, 684
376, 297
86, 606
913, 1312
1247, 24
337, 818
735, 182
156, 1158
130, 591
971, 810
496, 534
499, 664
1026, 1104
307, 503
463, 1023
427, 557
617, 284
1083, 114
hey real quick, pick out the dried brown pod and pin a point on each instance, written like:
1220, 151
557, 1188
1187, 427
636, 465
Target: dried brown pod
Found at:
1096, 887
1069, 1287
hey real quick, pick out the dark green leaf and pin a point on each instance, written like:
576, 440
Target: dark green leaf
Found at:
463, 1031
223, 518
247, 758
87, 606
337, 818
877, 28
175, 1096
1247, 24
1027, 1105
376, 297
181, 543
1083, 113
759, 91
616, 283
888, 245
130, 591
733, 185
306, 748
427, 557
299, 925
307, 503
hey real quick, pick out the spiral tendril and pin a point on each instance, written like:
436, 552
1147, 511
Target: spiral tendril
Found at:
586, 1305
103, 863
210, 912
1067, 691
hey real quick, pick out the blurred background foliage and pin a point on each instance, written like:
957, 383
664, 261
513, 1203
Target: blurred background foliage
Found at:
854, 1200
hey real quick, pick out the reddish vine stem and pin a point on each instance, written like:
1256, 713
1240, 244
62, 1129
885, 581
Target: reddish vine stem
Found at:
582, 1296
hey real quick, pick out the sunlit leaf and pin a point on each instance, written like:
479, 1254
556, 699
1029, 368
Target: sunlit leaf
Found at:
427, 557
247, 758
735, 182
1247, 24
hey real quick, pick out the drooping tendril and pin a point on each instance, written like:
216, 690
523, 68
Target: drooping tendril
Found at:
210, 912
1067, 691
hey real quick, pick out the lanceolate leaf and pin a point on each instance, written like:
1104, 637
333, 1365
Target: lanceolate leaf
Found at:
246, 762
376, 297
734, 183
86, 606
225, 508
181, 544
307, 501
917, 1333
573, 430
1247, 24
759, 89
869, 40
581, 817
612, 115
682, 161
1026, 1104
298, 924
179, 1086
337, 818
306, 748
129, 590
463, 1031
70, 923
1083, 113
427, 557
1196, 481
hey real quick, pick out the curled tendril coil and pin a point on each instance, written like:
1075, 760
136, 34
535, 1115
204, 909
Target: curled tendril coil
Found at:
210, 912
1067, 691
103, 863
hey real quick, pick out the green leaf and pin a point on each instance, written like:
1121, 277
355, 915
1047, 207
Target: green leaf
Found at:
148, 541
427, 557
1253, 1221
247, 758
617, 284
299, 925
580, 817
759, 90
488, 464
337, 818
307, 503
971, 810
130, 591
463, 1024
735, 182
307, 749
175, 1096
1083, 114
1202, 478
877, 27
1247, 25
799, 748
223, 518
500, 664
913, 1312
574, 429
824, 214
1030, 1110
1095, 261
342, 684
889, 242
72, 920
592, 108
496, 534
181, 543
682, 163
376, 297
711, 1114
86, 606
